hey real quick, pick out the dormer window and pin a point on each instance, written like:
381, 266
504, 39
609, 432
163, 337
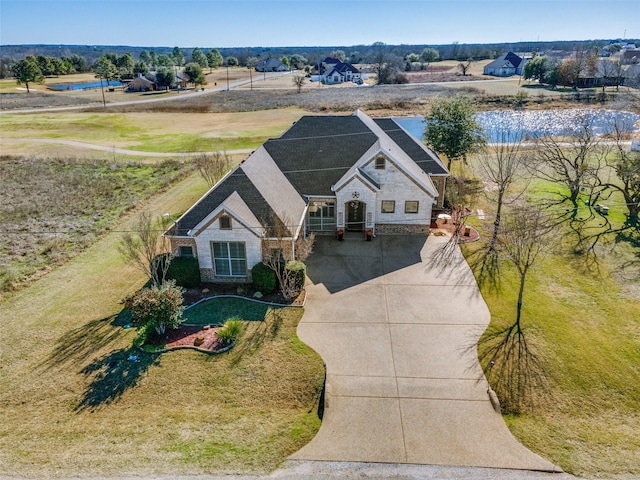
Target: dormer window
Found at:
380, 163
225, 222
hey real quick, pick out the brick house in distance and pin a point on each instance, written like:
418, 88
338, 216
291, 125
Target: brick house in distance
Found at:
324, 174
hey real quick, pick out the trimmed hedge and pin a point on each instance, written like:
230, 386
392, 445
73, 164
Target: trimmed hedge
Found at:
185, 271
263, 278
298, 273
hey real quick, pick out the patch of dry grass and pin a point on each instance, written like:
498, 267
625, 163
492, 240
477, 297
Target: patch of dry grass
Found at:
51, 209
73, 405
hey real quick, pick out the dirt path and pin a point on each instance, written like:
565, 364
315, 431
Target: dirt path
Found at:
122, 151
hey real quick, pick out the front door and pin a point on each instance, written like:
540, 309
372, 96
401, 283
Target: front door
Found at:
355, 216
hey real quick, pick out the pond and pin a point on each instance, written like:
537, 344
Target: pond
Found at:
83, 86
531, 124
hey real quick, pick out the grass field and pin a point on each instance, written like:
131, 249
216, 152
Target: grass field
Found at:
72, 404
51, 209
154, 132
583, 320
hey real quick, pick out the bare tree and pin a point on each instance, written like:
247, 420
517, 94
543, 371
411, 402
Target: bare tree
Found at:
464, 66
147, 248
298, 81
527, 235
511, 363
499, 168
280, 248
626, 164
213, 166
574, 162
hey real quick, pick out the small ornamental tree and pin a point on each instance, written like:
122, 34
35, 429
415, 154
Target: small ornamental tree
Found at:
156, 308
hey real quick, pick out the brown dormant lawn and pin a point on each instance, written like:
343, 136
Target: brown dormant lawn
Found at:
74, 405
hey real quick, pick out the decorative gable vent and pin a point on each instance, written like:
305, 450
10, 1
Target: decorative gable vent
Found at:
225, 222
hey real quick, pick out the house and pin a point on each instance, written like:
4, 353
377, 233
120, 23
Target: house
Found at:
342, 72
631, 56
140, 84
505, 66
324, 174
271, 65
333, 71
610, 74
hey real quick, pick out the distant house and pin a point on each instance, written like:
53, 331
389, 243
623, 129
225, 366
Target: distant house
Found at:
610, 74
505, 66
333, 71
271, 65
631, 56
326, 174
140, 84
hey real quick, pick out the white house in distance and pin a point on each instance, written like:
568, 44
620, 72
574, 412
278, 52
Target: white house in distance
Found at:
325, 174
505, 66
333, 71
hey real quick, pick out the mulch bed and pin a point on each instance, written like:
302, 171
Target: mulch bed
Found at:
447, 227
186, 335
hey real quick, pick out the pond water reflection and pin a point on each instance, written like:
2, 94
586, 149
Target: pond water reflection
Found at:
525, 124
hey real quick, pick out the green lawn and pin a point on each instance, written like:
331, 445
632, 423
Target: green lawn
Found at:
216, 311
583, 321
74, 405
155, 131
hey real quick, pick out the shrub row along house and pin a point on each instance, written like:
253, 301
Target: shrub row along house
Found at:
325, 174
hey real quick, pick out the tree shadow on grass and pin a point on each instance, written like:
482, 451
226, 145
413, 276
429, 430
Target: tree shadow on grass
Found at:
255, 336
112, 375
82, 342
513, 369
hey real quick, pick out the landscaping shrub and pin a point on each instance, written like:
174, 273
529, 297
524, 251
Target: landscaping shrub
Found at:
185, 271
296, 273
264, 278
230, 331
156, 308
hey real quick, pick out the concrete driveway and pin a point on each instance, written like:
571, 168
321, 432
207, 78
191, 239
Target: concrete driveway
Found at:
397, 328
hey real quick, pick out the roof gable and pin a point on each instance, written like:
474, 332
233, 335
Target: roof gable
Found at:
235, 181
400, 157
426, 159
236, 208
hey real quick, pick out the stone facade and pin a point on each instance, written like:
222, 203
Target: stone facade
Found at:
396, 229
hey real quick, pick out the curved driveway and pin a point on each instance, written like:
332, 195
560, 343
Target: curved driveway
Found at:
397, 324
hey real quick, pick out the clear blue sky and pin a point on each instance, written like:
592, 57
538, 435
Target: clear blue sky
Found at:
240, 23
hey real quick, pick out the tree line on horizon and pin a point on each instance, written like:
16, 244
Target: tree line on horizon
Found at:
387, 61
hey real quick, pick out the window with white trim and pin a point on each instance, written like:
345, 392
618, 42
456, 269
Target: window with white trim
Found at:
186, 251
229, 259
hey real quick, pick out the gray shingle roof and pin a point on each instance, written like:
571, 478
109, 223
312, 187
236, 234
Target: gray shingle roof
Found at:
427, 161
313, 155
237, 181
316, 151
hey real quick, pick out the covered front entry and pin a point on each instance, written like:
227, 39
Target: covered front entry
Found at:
355, 215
